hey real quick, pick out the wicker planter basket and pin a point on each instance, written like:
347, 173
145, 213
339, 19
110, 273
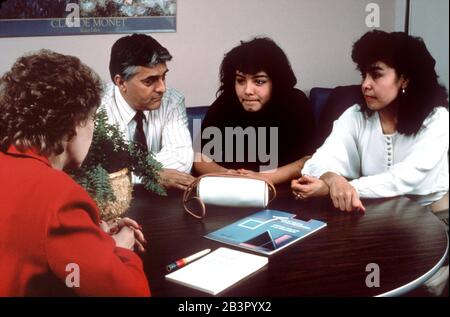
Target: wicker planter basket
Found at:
122, 188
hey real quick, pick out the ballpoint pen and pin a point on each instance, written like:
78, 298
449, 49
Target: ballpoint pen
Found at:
182, 262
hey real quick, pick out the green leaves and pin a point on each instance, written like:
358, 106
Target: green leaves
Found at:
109, 153
99, 184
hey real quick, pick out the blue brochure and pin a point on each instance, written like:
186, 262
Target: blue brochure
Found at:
267, 231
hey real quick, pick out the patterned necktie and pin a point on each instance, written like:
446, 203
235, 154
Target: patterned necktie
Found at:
139, 135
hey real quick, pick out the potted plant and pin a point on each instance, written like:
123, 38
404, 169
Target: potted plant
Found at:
105, 172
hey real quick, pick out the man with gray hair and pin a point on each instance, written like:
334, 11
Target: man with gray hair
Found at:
145, 110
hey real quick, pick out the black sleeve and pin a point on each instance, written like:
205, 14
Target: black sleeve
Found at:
299, 128
212, 117
215, 117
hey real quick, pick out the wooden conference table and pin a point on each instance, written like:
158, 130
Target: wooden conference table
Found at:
405, 240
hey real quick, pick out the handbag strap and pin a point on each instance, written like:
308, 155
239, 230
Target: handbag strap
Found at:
188, 193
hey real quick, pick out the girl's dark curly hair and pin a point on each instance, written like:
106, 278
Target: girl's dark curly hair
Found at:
259, 54
43, 98
409, 57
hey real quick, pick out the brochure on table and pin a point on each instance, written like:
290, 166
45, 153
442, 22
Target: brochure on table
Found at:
267, 231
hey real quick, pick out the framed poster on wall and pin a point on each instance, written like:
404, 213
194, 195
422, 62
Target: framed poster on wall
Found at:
77, 17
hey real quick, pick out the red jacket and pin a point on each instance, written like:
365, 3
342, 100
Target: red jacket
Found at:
47, 222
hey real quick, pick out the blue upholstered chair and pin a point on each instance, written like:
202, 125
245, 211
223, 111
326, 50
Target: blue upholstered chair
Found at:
195, 113
318, 97
329, 103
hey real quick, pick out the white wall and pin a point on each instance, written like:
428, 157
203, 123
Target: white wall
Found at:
317, 36
429, 19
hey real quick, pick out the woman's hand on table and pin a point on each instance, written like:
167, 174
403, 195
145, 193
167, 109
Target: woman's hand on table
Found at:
126, 232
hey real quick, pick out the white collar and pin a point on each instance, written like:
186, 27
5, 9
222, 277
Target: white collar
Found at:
125, 110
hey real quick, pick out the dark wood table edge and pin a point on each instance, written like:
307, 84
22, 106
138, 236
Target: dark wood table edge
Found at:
418, 281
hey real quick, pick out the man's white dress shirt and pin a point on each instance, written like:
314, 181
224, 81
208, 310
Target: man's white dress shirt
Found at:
166, 128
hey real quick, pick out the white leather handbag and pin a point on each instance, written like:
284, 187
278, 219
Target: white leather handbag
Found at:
221, 189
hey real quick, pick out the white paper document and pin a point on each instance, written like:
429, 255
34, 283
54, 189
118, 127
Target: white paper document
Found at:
218, 270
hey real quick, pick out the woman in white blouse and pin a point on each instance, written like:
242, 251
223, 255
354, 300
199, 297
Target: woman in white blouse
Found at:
396, 143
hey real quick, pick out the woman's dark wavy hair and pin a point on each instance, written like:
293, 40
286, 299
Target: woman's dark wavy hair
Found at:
43, 98
259, 54
409, 57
